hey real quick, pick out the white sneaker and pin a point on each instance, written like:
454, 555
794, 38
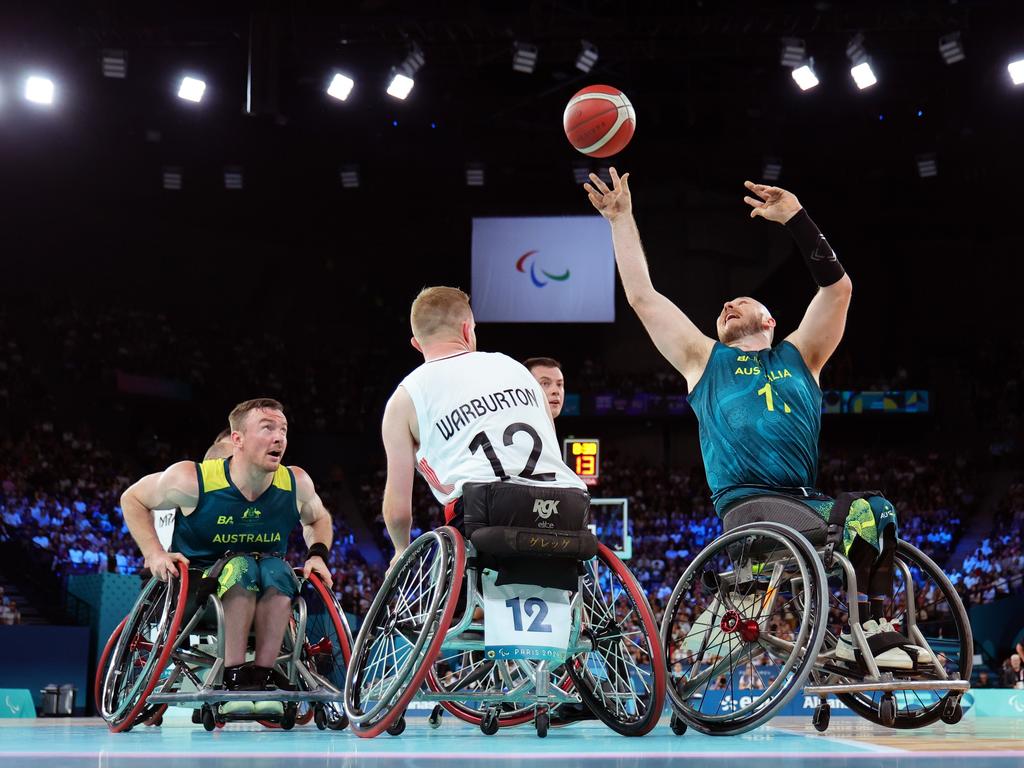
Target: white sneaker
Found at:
924, 656
895, 650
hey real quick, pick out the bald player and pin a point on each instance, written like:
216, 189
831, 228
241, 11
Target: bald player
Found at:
548, 373
758, 405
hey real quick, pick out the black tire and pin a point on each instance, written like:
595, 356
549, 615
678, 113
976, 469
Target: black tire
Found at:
677, 724
543, 720
434, 721
291, 711
320, 718
397, 728
773, 545
822, 714
605, 677
952, 712
142, 651
887, 711
950, 623
377, 693
489, 725
209, 721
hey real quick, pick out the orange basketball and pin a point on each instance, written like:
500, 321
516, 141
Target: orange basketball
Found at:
599, 121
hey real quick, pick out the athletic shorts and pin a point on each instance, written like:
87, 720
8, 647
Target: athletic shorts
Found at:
256, 574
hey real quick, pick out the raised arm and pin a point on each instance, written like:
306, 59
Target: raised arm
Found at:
316, 526
673, 333
824, 322
176, 486
400, 446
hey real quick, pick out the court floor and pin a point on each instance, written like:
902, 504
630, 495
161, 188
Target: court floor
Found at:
973, 743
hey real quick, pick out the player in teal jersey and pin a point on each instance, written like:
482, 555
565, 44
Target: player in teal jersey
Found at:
758, 406
247, 502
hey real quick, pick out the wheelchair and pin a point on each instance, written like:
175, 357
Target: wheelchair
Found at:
420, 641
758, 614
169, 651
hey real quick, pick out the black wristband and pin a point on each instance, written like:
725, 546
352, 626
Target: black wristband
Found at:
318, 550
818, 254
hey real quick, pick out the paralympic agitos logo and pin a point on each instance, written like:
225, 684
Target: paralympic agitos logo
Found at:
521, 267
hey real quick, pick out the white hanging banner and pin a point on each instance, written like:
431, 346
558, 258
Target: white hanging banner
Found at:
522, 621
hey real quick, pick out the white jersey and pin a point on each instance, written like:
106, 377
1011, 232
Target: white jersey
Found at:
482, 418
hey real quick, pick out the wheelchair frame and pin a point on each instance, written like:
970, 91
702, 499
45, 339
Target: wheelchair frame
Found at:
188, 664
829, 677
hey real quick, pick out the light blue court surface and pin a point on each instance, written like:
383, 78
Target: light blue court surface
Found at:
974, 743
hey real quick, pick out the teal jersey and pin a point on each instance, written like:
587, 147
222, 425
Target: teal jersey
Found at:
225, 521
760, 416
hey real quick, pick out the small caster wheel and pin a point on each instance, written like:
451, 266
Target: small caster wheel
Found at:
320, 718
489, 725
887, 710
677, 724
434, 721
338, 723
397, 728
197, 717
543, 720
821, 716
952, 712
209, 721
157, 721
127, 729
288, 718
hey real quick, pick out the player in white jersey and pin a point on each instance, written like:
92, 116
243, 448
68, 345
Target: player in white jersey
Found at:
466, 417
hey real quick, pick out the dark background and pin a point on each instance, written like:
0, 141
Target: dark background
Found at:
328, 272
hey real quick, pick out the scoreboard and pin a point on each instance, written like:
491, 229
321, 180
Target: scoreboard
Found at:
584, 457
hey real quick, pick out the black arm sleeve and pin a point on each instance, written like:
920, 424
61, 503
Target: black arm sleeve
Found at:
818, 254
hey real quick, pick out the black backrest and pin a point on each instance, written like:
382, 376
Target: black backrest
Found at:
778, 509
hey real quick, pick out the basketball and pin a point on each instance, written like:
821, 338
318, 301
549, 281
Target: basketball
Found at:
599, 121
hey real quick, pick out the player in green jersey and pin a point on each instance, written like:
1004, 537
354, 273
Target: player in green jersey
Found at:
246, 503
759, 406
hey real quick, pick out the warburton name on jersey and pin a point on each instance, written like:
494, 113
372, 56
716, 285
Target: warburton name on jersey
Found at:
479, 406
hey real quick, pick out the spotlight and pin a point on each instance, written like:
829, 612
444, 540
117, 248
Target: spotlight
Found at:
951, 48
863, 76
191, 89
927, 167
587, 57
39, 90
402, 76
524, 57
349, 176
114, 64
860, 62
340, 86
794, 52
1016, 70
400, 85
771, 169
474, 175
232, 177
805, 76
172, 178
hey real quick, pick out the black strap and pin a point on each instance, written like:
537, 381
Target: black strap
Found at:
886, 641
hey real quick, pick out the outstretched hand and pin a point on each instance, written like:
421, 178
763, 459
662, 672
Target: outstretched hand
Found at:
610, 203
776, 204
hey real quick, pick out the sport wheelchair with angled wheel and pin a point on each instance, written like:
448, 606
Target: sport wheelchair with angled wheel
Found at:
760, 611
169, 651
505, 628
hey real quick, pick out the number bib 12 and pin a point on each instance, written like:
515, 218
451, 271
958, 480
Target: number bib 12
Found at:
524, 622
